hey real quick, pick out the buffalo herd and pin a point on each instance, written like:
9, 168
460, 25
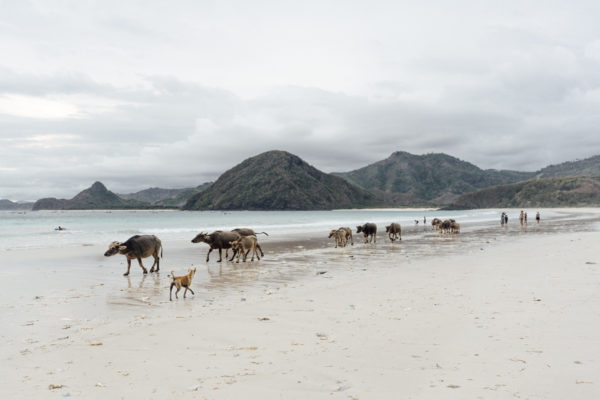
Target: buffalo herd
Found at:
242, 241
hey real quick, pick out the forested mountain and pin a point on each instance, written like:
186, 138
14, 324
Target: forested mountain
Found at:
278, 180
406, 179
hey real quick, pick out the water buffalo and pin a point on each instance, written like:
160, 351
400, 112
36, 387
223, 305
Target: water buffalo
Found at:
394, 231
137, 247
454, 227
217, 240
248, 232
368, 229
348, 234
435, 223
449, 226
444, 226
339, 236
243, 245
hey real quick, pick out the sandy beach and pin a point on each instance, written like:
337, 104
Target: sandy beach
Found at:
491, 313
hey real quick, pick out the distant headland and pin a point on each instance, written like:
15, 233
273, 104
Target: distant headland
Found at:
278, 180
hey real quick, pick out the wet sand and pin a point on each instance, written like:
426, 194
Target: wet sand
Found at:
491, 313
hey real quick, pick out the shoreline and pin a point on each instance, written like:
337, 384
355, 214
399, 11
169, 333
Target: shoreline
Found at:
489, 313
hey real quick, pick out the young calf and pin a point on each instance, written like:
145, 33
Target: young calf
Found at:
179, 281
243, 245
348, 234
339, 236
394, 231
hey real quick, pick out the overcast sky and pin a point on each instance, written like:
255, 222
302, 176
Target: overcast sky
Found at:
173, 93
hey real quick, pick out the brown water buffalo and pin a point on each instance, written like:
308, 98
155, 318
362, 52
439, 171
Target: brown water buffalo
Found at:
248, 232
444, 226
454, 227
394, 231
217, 240
368, 229
348, 234
243, 245
339, 236
449, 226
435, 223
137, 247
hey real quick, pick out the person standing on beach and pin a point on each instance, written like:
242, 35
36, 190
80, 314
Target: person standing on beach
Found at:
502, 219
424, 220
521, 217
537, 217
506, 219
525, 217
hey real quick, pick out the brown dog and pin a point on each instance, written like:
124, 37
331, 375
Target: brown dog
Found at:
179, 281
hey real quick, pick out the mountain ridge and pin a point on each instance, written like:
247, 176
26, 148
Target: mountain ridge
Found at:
6, 204
96, 197
402, 179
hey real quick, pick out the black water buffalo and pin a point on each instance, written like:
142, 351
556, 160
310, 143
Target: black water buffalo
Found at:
449, 226
137, 247
368, 229
217, 240
394, 231
435, 223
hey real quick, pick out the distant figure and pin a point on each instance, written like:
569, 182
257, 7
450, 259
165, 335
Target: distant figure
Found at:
537, 217
416, 222
502, 219
521, 217
525, 217
60, 228
506, 219
424, 220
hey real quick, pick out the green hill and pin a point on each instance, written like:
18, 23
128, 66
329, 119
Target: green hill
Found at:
587, 167
278, 180
431, 179
548, 192
97, 197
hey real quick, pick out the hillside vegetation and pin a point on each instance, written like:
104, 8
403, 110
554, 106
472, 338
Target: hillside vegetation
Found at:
432, 179
545, 192
278, 180
153, 195
587, 167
